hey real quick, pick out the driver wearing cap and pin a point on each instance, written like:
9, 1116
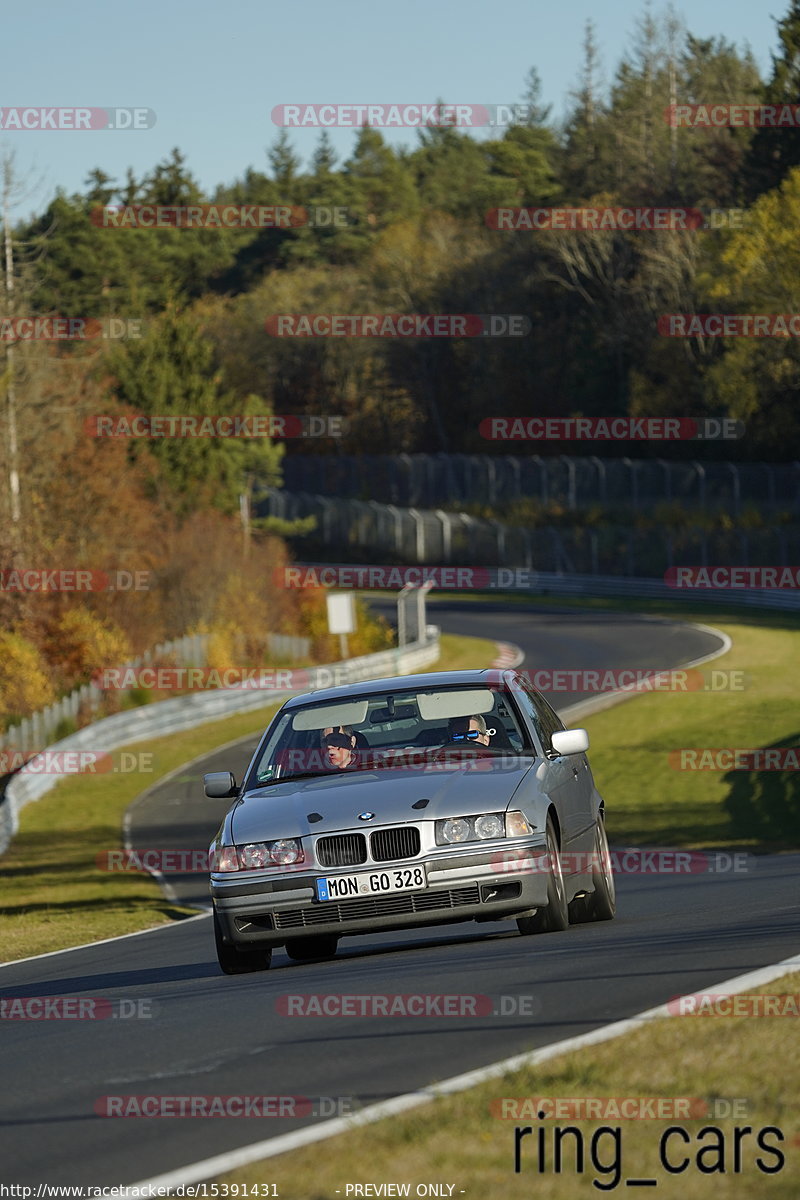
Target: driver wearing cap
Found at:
339, 750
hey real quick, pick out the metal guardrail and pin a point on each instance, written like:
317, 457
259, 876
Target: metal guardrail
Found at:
186, 712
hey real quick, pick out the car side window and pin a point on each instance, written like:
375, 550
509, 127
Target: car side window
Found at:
550, 719
525, 701
545, 720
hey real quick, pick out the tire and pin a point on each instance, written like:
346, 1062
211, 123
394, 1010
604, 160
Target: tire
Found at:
601, 905
554, 916
306, 949
239, 962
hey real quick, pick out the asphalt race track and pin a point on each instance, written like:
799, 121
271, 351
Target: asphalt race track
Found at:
195, 1031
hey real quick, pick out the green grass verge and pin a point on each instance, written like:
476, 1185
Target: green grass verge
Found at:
459, 1140
52, 893
650, 802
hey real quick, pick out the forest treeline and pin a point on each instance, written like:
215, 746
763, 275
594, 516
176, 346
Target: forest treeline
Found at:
415, 239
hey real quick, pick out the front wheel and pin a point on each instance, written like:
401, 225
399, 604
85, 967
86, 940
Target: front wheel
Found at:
239, 962
554, 916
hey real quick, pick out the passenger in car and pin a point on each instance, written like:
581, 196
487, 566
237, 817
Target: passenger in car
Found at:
469, 729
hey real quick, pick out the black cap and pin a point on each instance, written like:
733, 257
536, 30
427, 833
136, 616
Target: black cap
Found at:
338, 739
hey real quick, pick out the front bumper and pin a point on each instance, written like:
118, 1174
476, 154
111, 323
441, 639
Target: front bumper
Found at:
476, 885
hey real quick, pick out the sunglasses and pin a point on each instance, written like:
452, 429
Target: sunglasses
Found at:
472, 734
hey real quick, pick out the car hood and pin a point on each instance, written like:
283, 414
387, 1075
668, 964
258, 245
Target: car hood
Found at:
335, 801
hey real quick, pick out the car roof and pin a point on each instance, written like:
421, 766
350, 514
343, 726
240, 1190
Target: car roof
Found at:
485, 677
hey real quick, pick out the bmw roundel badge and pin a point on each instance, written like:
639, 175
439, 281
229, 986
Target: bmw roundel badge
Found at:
365, 816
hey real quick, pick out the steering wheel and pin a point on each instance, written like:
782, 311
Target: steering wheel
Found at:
465, 748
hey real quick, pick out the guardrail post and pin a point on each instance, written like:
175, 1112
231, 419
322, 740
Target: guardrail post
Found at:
528, 550
401, 614
570, 465
500, 531
447, 534
491, 472
398, 526
422, 620
600, 467
633, 468
514, 468
543, 490
666, 467
737, 487
419, 533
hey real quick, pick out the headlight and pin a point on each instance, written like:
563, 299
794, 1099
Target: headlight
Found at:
453, 830
469, 829
287, 850
490, 826
257, 855
254, 856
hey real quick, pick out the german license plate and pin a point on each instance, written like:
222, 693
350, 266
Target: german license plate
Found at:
371, 883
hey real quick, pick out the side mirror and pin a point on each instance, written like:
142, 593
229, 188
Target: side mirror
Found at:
570, 741
219, 785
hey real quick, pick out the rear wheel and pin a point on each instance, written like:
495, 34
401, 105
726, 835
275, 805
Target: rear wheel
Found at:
602, 904
239, 962
554, 916
305, 949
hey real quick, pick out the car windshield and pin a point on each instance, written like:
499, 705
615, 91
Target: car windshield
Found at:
395, 728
